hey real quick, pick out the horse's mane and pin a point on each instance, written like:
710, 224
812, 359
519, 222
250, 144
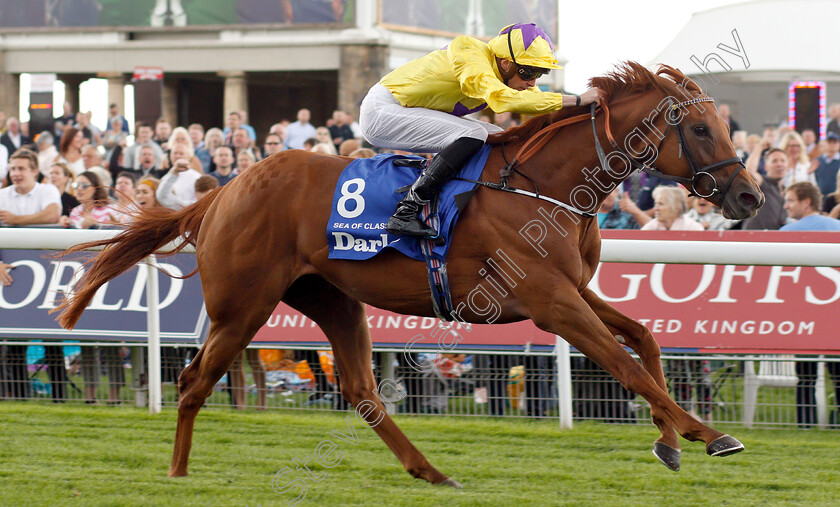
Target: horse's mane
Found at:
628, 78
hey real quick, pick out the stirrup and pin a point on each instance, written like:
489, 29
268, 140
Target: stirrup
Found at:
438, 240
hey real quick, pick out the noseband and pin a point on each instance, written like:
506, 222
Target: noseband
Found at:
698, 171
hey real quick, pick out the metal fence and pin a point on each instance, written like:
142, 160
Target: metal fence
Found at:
765, 391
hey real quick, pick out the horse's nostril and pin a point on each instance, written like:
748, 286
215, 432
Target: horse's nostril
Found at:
748, 199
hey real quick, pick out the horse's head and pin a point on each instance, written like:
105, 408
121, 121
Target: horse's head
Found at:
694, 146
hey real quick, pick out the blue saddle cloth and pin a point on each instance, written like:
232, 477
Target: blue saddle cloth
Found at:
365, 199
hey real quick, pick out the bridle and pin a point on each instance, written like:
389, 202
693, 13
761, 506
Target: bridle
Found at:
698, 171
533, 145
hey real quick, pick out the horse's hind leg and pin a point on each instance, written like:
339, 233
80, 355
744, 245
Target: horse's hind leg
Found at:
236, 314
343, 320
639, 338
224, 343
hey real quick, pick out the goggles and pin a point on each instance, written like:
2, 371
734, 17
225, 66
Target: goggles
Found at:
529, 73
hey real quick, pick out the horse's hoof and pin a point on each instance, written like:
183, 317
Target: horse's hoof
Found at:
669, 456
451, 483
724, 446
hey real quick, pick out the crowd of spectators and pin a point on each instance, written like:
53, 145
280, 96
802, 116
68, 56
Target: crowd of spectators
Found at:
76, 156
78, 175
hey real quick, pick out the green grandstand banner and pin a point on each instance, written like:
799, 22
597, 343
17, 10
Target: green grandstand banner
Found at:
163, 13
483, 18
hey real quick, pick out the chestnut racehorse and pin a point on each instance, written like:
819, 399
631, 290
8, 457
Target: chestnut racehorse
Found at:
261, 239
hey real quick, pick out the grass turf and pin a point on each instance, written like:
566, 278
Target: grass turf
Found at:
62, 455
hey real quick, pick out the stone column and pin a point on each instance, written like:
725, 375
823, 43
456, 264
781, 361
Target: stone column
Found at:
236, 92
169, 105
116, 89
361, 67
71, 91
10, 96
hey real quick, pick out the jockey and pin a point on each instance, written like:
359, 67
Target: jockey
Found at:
420, 106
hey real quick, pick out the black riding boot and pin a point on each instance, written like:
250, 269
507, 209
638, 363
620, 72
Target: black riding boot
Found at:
406, 221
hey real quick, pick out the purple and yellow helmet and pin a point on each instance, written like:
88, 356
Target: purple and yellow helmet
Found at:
529, 43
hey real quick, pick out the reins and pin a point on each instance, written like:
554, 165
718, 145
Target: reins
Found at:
531, 147
542, 137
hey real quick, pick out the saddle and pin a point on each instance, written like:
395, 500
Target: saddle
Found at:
365, 197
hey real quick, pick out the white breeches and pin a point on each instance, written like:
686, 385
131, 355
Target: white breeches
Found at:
387, 124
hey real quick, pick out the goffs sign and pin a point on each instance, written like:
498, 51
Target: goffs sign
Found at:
737, 309
117, 312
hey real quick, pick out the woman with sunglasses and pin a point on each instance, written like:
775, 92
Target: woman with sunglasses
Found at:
419, 107
94, 209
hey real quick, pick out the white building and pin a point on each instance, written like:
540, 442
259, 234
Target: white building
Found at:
778, 42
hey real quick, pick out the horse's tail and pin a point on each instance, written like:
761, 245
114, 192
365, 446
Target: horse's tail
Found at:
149, 231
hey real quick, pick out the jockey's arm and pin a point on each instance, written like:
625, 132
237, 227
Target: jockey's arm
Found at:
478, 79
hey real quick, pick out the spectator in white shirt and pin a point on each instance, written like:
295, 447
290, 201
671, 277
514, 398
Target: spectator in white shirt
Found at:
299, 131
25, 201
177, 187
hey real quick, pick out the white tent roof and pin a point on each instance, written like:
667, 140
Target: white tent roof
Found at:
784, 40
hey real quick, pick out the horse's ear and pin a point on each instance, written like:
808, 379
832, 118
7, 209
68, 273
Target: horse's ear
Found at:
675, 74
678, 78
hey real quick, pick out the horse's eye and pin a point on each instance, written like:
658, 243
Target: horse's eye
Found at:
701, 130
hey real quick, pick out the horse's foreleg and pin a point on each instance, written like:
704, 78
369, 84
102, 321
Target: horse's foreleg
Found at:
572, 318
639, 338
344, 322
